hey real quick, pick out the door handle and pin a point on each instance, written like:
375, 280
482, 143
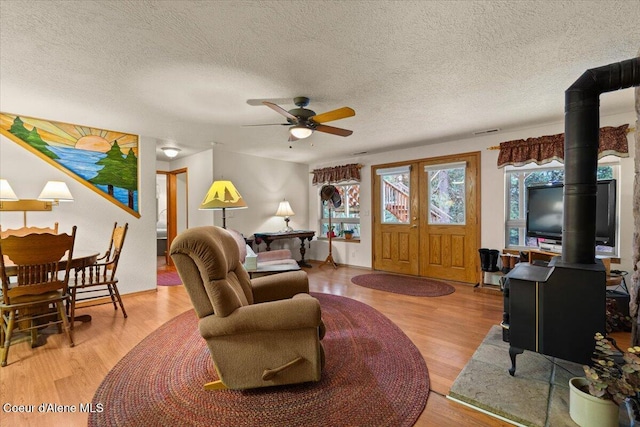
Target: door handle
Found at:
414, 226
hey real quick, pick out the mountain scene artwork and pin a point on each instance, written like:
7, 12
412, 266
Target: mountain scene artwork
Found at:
103, 160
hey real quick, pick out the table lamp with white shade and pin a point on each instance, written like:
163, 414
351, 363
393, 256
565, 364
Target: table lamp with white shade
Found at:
284, 209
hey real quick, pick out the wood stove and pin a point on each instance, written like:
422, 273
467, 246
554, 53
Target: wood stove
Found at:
557, 309
554, 310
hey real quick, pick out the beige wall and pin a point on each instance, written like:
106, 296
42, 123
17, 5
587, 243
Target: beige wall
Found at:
264, 183
91, 213
492, 190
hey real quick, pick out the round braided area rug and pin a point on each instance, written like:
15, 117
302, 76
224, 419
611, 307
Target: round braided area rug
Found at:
405, 285
374, 376
169, 278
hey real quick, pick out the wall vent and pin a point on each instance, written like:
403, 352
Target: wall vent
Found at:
484, 132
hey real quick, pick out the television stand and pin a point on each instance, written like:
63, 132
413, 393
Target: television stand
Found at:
551, 247
542, 255
613, 277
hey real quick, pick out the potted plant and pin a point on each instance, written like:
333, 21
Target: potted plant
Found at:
613, 378
348, 234
616, 320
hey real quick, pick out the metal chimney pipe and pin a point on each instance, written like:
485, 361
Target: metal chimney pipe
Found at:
582, 133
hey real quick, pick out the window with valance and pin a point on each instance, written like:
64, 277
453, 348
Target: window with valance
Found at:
346, 218
544, 149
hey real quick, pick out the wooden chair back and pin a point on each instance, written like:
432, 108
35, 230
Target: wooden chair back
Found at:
38, 262
117, 241
23, 231
98, 280
112, 255
105, 268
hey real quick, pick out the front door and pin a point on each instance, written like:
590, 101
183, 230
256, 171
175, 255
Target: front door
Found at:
426, 217
450, 219
395, 219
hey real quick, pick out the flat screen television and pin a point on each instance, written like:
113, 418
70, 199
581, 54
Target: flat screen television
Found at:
545, 205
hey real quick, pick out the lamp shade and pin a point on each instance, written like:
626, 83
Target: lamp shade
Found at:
55, 191
6, 192
284, 209
223, 194
300, 131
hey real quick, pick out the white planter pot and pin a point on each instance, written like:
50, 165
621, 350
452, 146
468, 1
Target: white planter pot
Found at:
590, 411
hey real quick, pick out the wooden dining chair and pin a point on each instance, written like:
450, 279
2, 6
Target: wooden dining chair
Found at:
23, 231
98, 281
37, 264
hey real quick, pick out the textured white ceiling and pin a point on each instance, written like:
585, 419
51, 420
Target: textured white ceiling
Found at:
416, 72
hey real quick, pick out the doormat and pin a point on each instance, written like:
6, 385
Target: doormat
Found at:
405, 285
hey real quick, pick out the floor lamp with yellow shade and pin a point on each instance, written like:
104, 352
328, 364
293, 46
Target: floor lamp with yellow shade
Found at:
223, 195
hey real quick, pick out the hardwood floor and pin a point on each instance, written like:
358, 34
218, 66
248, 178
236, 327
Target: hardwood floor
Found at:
447, 330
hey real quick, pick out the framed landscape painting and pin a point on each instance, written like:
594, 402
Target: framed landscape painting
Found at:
103, 160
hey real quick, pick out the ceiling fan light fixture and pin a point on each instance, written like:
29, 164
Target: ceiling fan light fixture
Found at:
300, 131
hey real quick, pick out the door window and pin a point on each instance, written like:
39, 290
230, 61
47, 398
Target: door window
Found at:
395, 191
446, 193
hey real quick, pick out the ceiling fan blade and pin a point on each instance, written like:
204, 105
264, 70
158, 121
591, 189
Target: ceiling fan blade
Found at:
269, 124
340, 113
280, 110
259, 102
334, 130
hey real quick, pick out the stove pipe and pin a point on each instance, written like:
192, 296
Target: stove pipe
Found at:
582, 131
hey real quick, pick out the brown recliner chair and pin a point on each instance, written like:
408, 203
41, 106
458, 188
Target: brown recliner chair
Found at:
260, 332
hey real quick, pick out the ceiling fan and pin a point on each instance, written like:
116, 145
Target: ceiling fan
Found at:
303, 122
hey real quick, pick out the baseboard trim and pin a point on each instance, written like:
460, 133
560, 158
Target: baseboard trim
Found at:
107, 300
491, 414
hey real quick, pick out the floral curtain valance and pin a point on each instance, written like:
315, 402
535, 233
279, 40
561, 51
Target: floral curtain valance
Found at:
337, 174
613, 141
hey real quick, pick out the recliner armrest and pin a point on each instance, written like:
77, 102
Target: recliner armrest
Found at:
279, 286
302, 311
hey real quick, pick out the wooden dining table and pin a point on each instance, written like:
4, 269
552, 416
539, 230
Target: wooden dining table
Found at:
79, 259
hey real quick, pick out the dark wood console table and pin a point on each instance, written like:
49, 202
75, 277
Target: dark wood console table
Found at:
303, 235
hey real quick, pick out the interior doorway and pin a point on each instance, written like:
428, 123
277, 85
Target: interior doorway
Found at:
172, 209
426, 217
